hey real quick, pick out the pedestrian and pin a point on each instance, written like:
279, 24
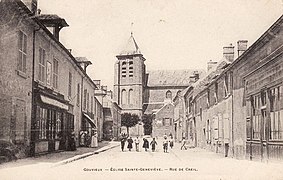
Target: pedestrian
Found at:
145, 144
165, 144
171, 142
72, 141
123, 140
183, 144
130, 143
82, 138
137, 142
153, 143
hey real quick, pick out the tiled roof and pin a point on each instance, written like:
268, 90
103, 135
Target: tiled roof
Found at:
152, 107
131, 47
172, 77
52, 18
201, 84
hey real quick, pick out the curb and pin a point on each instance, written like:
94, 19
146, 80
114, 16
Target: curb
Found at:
82, 156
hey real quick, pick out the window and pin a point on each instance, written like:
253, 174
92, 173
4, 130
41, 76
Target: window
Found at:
78, 94
276, 116
168, 94
208, 132
41, 123
41, 65
55, 73
130, 96
87, 101
166, 121
124, 69
226, 85
22, 62
131, 72
58, 128
91, 105
124, 97
256, 117
48, 72
216, 93
208, 98
70, 85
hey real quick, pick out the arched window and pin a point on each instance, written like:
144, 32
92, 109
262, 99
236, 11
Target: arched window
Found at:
168, 94
130, 96
123, 96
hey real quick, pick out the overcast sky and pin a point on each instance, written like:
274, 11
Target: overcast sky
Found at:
172, 34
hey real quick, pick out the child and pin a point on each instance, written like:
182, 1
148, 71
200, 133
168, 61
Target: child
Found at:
183, 144
171, 142
153, 143
130, 143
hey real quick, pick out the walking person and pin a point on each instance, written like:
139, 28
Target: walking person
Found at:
171, 142
137, 142
165, 144
130, 143
123, 140
153, 143
145, 144
183, 144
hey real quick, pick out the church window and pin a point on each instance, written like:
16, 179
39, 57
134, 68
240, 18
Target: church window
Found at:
124, 69
124, 96
131, 72
168, 94
130, 96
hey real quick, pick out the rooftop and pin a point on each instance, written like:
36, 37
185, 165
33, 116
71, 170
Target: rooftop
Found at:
131, 47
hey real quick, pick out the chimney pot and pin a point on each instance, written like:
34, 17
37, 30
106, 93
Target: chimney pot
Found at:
211, 64
228, 52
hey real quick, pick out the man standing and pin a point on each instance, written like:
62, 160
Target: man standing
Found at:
165, 144
137, 142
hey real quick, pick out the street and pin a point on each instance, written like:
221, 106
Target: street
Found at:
193, 163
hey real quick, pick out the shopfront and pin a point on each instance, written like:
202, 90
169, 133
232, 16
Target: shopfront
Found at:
53, 124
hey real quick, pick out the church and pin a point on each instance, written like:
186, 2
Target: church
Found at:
139, 91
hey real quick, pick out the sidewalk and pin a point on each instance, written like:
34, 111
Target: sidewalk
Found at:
62, 157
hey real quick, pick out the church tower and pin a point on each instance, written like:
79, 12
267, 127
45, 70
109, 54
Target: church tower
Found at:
129, 78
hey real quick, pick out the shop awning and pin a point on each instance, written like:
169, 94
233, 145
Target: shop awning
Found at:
53, 102
89, 120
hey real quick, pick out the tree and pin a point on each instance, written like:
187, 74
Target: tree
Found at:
147, 123
129, 120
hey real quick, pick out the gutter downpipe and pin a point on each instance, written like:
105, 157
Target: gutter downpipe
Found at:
33, 109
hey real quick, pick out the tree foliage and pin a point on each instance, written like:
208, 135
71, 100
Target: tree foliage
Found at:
147, 123
129, 120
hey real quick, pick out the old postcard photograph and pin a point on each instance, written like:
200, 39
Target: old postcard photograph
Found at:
141, 89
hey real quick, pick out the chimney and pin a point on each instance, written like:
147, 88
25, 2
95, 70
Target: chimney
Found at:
242, 46
228, 52
211, 64
32, 5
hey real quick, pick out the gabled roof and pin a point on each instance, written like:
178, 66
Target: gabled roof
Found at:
172, 77
131, 47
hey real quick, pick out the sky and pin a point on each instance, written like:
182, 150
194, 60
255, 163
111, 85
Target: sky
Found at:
172, 34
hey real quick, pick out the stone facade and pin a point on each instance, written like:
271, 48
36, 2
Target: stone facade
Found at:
46, 90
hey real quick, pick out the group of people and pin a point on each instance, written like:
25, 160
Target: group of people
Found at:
87, 140
146, 144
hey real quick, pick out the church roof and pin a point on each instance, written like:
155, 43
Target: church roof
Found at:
172, 77
131, 47
150, 108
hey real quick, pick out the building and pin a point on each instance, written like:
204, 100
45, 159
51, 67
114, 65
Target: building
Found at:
236, 109
140, 92
44, 87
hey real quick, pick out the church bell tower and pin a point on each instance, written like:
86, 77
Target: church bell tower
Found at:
129, 78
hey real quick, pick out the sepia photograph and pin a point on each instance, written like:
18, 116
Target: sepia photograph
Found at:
141, 89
